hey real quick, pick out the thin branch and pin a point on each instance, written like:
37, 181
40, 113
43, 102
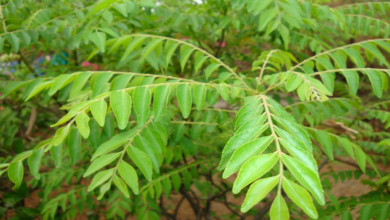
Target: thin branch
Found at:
27, 64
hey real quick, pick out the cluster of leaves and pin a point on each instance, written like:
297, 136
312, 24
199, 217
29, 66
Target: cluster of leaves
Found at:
152, 122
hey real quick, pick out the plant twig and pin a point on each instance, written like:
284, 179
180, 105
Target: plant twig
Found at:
27, 64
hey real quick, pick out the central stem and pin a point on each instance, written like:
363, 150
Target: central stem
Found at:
271, 124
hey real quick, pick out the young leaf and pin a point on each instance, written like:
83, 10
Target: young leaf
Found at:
238, 140
13, 41
352, 78
113, 143
98, 110
12, 86
15, 173
245, 152
200, 94
142, 100
305, 176
184, 57
79, 83
101, 162
142, 161
82, 120
100, 178
160, 101
300, 197
129, 175
74, 145
60, 82
121, 186
279, 209
376, 82
258, 191
121, 106
253, 169
99, 39
34, 162
184, 99
324, 138
293, 83
100, 83
211, 68
56, 153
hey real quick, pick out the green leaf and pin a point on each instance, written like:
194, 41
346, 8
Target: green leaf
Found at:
306, 177
100, 178
142, 99
100, 83
245, 152
146, 146
253, 169
200, 94
293, 83
199, 62
121, 8
346, 215
300, 197
56, 153
60, 82
121, 186
256, 121
347, 146
296, 148
34, 162
160, 101
121, 105
99, 110
121, 82
375, 52
352, 78
260, 5
285, 33
211, 68
14, 41
258, 191
223, 91
74, 145
298, 132
355, 57
324, 138
184, 98
360, 158
79, 83
365, 212
134, 44
15, 173
82, 120
184, 57
169, 53
376, 82
113, 143
101, 162
99, 39
238, 140
142, 161
38, 88
176, 181
279, 209
13, 86
129, 175
266, 17
150, 47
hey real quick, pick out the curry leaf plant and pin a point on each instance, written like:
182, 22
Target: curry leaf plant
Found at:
149, 122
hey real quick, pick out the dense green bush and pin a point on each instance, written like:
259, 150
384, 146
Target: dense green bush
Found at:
114, 107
